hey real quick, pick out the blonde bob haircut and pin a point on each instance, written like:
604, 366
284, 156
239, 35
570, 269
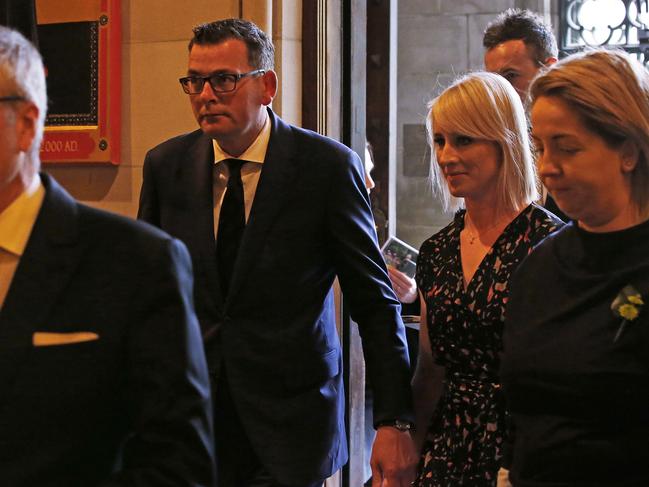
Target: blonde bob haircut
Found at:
609, 92
485, 106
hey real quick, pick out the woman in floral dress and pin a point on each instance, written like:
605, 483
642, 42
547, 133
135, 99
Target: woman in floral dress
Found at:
483, 168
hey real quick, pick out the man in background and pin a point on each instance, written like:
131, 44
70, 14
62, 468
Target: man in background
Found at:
271, 214
102, 369
518, 44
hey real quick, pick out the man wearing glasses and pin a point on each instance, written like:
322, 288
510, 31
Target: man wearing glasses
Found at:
271, 215
102, 370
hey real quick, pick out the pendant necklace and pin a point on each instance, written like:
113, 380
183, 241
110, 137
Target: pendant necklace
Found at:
474, 236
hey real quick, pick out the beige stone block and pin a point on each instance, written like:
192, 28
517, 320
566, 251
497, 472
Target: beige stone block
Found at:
435, 43
477, 26
154, 107
113, 188
415, 91
420, 7
288, 103
419, 211
287, 19
475, 6
260, 12
169, 20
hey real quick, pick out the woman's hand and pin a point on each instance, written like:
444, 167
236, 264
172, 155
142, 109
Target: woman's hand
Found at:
405, 287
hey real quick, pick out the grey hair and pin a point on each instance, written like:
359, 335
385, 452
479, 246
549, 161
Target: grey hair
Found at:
22, 74
261, 52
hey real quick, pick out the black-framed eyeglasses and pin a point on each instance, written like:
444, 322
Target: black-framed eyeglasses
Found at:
220, 82
12, 98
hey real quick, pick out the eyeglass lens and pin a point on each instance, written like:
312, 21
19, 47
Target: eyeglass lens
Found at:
219, 83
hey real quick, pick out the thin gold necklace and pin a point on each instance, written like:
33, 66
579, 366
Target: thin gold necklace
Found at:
474, 236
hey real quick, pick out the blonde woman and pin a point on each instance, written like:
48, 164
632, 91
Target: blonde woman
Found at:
576, 361
483, 168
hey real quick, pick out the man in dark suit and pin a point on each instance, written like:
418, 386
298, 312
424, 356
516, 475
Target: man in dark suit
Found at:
103, 376
290, 212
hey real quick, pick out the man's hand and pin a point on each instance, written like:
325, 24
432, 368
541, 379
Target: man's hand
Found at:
503, 478
394, 459
405, 287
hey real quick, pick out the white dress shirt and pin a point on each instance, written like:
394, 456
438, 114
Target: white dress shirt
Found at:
250, 171
16, 223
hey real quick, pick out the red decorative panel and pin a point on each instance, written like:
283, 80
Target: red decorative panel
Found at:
80, 41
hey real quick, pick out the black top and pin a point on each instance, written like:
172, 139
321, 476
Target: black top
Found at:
579, 400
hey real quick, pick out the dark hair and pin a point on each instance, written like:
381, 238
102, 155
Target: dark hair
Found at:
517, 24
261, 53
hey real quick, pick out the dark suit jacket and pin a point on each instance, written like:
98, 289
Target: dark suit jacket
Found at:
275, 333
129, 408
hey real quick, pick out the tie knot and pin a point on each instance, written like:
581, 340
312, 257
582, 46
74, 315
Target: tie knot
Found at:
234, 166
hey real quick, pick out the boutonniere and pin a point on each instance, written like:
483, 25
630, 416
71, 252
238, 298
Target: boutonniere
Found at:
627, 306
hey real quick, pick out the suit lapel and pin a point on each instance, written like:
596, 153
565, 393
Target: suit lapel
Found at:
198, 168
276, 177
50, 258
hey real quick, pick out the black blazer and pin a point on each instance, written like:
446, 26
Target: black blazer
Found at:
276, 333
130, 407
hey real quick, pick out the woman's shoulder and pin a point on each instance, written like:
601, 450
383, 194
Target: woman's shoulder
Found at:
541, 216
541, 222
438, 252
548, 244
441, 238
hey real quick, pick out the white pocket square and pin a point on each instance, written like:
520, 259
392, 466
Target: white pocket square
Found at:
46, 339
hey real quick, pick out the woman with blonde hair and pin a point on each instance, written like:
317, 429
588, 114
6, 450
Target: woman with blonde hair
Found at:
481, 166
576, 362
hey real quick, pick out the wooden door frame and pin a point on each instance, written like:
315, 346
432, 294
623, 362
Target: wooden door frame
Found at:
333, 103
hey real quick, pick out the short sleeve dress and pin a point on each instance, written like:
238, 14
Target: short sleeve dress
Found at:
466, 433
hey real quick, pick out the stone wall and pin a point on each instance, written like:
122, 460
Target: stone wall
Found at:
438, 40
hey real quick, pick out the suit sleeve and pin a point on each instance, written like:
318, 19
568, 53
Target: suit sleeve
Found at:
148, 209
168, 392
368, 292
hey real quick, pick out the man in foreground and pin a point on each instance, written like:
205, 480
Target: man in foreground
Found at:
102, 371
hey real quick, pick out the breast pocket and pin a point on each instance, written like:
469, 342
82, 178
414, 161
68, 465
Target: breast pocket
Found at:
70, 367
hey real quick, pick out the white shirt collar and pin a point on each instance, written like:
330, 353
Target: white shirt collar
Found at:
256, 152
17, 220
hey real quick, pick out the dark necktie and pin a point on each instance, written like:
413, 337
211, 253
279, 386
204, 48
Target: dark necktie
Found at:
232, 222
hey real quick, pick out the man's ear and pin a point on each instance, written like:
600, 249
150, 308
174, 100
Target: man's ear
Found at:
270, 86
549, 61
26, 123
630, 154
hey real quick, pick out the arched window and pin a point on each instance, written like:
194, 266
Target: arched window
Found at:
619, 23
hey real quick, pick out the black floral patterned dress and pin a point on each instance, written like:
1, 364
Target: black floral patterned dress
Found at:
466, 432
